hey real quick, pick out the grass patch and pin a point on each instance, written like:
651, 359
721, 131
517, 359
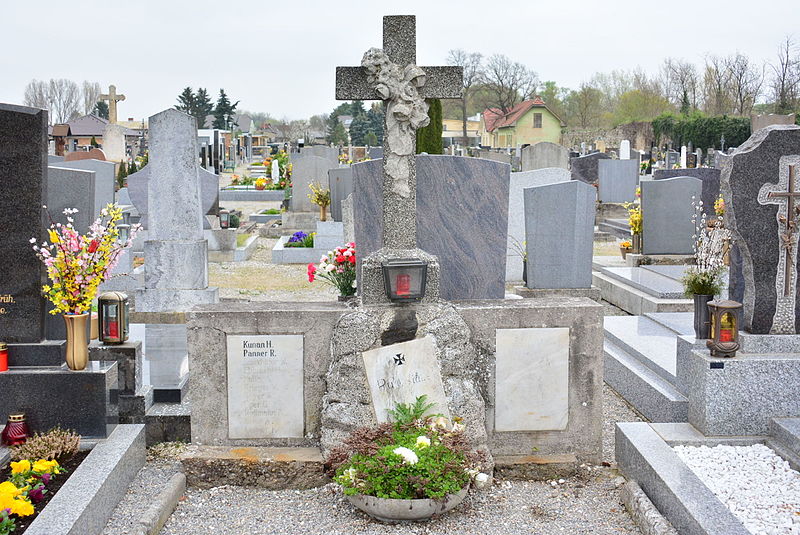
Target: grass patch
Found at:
241, 239
270, 211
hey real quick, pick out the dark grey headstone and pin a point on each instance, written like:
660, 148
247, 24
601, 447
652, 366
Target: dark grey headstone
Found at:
23, 191
709, 176
584, 168
340, 182
667, 210
617, 180
559, 229
71, 188
758, 167
105, 180
209, 192
375, 153
673, 159
462, 218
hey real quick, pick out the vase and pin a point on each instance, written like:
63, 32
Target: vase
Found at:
624, 251
395, 511
322, 213
701, 316
636, 244
525, 271
77, 342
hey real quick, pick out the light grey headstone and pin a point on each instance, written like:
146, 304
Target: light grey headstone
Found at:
516, 212
462, 216
624, 150
340, 181
305, 171
673, 159
617, 180
709, 176
71, 188
559, 228
124, 197
667, 210
329, 154
544, 155
114, 143
209, 191
347, 219
105, 180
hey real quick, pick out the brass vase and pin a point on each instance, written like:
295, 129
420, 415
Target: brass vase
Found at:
77, 342
323, 213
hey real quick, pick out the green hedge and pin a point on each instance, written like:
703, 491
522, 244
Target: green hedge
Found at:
701, 130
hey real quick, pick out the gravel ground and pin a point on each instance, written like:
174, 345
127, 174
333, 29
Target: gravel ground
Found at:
586, 503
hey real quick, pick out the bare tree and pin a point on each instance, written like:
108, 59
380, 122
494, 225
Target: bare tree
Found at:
681, 83
585, 106
716, 86
786, 77
745, 83
508, 82
91, 94
65, 99
473, 74
37, 94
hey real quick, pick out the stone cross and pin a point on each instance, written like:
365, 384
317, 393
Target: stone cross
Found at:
112, 97
783, 194
391, 75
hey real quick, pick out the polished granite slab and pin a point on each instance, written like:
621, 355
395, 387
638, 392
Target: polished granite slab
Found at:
681, 323
647, 281
165, 365
671, 272
648, 341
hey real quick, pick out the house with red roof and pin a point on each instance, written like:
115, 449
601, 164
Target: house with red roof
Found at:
529, 122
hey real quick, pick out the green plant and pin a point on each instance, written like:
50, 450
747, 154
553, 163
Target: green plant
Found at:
234, 221
121, 174
56, 444
408, 413
241, 239
429, 138
696, 282
271, 211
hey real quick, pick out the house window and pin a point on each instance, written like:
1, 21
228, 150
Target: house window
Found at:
537, 120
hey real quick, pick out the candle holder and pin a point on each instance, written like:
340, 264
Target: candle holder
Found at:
724, 336
16, 431
113, 317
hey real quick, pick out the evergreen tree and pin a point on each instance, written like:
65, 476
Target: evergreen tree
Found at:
224, 112
359, 128
121, 174
429, 138
203, 107
132, 167
101, 109
357, 108
94, 142
371, 139
375, 116
337, 136
186, 101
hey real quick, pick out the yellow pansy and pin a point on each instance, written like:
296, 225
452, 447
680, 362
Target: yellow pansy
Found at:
20, 467
43, 466
21, 507
7, 488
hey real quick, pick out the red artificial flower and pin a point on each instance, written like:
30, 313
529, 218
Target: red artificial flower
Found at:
341, 259
311, 270
352, 259
93, 246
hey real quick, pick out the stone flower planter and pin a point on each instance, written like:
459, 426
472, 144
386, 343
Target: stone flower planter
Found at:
396, 511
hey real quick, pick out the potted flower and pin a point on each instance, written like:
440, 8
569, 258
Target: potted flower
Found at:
338, 268
411, 469
261, 183
703, 280
76, 266
300, 239
635, 225
321, 197
625, 247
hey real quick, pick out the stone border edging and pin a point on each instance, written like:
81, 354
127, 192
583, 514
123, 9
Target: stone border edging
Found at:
154, 518
643, 512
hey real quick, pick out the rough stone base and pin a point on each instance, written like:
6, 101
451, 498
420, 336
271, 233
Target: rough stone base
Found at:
592, 293
535, 467
267, 468
164, 300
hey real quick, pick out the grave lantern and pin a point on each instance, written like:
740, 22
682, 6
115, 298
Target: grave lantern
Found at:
126, 218
724, 341
16, 431
224, 219
124, 232
113, 317
405, 279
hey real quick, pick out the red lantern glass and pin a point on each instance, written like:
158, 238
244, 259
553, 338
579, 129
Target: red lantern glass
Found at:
3, 357
16, 430
403, 285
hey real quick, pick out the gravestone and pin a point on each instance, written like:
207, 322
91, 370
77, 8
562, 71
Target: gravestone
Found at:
761, 190
306, 171
329, 154
585, 169
375, 153
537, 400
673, 158
53, 159
176, 269
105, 180
691, 160
683, 156
112, 97
400, 373
114, 143
624, 150
340, 182
543, 155
72, 188
559, 229
667, 226
516, 212
91, 154
719, 159
348, 223
253, 362
461, 214
709, 176
617, 180
138, 185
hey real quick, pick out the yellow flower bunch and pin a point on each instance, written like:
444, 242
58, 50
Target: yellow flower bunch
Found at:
719, 206
77, 264
319, 196
20, 467
634, 218
14, 499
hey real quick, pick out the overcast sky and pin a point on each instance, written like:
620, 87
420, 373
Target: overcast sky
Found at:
279, 56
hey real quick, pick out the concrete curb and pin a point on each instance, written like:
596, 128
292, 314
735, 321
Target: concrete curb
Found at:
643, 512
154, 518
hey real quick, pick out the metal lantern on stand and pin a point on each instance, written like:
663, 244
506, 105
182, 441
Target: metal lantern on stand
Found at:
405, 279
724, 341
224, 219
113, 317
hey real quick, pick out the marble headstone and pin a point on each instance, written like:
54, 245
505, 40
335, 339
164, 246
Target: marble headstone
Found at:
399, 373
754, 184
617, 180
709, 176
340, 181
209, 193
516, 212
105, 180
544, 155
559, 229
667, 211
462, 216
114, 143
23, 191
585, 169
306, 171
624, 150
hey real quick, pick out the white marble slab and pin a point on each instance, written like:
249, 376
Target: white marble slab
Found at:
400, 373
532, 379
265, 386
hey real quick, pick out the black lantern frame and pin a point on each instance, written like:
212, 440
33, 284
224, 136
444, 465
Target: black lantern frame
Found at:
724, 331
113, 318
405, 279
224, 219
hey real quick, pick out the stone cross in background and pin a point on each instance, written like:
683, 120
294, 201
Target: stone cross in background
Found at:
391, 75
112, 97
